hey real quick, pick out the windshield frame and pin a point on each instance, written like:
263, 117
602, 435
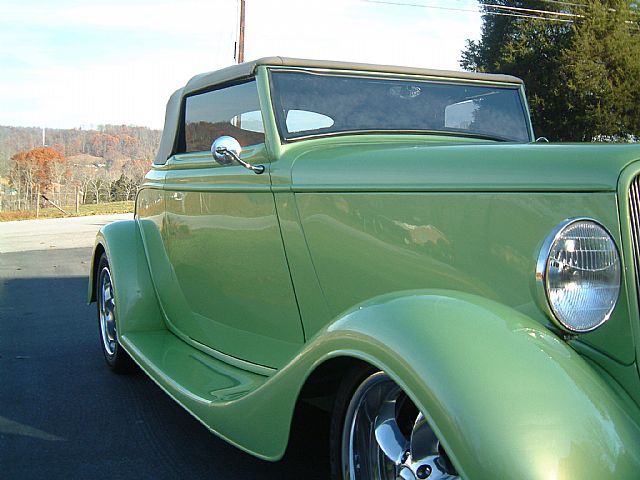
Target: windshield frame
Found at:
280, 122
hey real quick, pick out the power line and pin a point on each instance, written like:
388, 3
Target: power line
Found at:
554, 2
502, 14
386, 2
568, 4
515, 12
558, 2
531, 10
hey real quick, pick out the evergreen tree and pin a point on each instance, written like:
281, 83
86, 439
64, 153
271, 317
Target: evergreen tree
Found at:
580, 65
602, 73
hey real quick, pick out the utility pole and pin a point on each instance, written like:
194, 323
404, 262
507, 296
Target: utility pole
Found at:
240, 53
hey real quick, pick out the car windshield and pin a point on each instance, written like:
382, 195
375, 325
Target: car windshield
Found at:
309, 103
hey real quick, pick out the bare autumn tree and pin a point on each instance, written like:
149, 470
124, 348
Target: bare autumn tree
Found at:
33, 169
60, 174
133, 174
137, 169
98, 183
81, 175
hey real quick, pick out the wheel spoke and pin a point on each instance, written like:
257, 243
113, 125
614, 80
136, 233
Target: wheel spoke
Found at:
106, 288
109, 307
388, 435
112, 328
424, 442
406, 474
425, 453
101, 301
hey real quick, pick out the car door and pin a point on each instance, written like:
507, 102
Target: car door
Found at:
229, 287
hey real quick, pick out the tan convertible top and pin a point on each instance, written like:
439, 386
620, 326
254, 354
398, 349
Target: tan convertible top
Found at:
248, 69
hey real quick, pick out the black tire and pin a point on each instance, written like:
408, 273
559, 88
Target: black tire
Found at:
354, 377
368, 400
116, 357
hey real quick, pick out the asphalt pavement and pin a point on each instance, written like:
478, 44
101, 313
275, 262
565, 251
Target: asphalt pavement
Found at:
64, 414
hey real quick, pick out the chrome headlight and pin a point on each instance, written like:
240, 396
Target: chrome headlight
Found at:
578, 273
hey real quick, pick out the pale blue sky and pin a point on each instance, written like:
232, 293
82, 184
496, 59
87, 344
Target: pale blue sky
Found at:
73, 63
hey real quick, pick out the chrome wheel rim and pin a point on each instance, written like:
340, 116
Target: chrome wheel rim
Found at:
106, 312
386, 437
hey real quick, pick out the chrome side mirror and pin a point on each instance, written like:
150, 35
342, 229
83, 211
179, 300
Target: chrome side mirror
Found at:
226, 149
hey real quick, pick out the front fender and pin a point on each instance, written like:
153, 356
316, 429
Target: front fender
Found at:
507, 397
137, 305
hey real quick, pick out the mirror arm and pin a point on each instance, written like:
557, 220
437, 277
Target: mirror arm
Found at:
258, 169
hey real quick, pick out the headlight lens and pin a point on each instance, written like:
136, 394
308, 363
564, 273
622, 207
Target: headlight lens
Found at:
579, 270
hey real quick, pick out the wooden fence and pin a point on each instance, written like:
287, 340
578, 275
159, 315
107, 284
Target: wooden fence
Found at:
67, 201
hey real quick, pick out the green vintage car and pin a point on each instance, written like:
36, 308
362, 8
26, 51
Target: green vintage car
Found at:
390, 244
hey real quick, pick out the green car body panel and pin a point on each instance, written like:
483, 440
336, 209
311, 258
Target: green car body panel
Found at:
413, 253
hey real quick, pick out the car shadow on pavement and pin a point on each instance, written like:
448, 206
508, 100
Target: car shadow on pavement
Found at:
65, 414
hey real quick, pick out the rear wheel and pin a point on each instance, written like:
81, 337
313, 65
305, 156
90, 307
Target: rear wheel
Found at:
114, 354
378, 433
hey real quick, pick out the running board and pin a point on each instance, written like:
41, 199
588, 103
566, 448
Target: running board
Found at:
190, 376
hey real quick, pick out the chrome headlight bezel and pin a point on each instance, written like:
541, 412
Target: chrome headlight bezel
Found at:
542, 267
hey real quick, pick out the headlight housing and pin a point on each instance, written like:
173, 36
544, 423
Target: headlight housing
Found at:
578, 275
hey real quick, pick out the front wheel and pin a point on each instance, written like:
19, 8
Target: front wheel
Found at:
378, 433
114, 354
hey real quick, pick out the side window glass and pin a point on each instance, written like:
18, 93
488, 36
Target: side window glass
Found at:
233, 111
250, 121
304, 121
493, 113
460, 115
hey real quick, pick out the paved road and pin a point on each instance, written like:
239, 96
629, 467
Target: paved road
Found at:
63, 414
53, 233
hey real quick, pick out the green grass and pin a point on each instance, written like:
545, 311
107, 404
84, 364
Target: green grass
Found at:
51, 212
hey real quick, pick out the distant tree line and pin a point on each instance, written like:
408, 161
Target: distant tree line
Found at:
107, 164
580, 62
110, 142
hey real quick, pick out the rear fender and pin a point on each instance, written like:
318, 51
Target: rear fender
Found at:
137, 305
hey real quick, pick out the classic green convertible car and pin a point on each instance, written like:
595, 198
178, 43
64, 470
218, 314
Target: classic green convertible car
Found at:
392, 244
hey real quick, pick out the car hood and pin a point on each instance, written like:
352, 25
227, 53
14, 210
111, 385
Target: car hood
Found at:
393, 165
